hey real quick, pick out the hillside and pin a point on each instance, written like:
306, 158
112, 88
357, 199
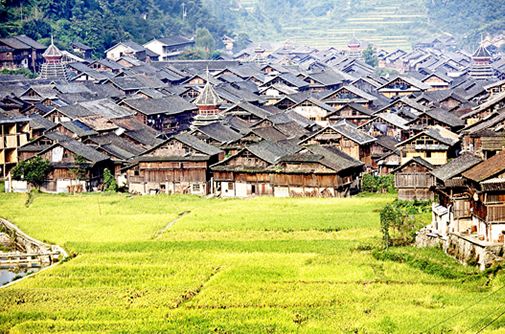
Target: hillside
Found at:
386, 23
101, 24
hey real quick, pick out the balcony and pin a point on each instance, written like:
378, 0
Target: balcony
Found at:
495, 213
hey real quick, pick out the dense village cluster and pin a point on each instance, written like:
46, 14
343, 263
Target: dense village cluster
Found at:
280, 121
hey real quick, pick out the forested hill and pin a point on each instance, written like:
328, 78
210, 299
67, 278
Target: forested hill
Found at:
319, 23
101, 23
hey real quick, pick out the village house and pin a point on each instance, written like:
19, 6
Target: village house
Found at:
413, 180
286, 170
353, 113
169, 47
387, 124
74, 167
21, 52
179, 165
487, 188
346, 138
435, 145
349, 94
314, 110
170, 114
452, 213
403, 86
14, 132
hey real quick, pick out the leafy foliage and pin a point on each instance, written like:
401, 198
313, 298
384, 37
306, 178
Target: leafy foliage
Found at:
467, 20
33, 171
380, 184
109, 181
370, 56
101, 24
21, 71
400, 221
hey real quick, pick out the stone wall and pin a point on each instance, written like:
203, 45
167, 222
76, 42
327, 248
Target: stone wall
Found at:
466, 249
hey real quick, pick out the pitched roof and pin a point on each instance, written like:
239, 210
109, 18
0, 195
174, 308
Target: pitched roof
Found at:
487, 169
417, 160
352, 132
169, 105
271, 152
481, 52
208, 96
456, 166
197, 144
219, 132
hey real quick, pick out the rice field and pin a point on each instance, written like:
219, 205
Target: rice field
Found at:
183, 264
374, 21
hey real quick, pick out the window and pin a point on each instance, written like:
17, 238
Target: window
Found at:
230, 185
196, 187
428, 154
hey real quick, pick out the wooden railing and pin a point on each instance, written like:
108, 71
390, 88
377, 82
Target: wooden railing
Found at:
414, 180
495, 212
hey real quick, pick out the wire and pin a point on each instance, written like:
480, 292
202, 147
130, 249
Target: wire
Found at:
465, 309
489, 323
481, 321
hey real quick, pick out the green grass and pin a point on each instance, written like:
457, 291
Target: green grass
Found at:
261, 265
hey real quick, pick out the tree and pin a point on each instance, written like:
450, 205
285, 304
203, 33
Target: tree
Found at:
370, 56
109, 181
204, 40
33, 171
242, 41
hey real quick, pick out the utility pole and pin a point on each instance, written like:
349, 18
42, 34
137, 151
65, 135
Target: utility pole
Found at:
184, 12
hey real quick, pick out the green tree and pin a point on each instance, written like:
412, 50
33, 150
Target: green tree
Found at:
204, 40
370, 56
109, 181
242, 41
34, 171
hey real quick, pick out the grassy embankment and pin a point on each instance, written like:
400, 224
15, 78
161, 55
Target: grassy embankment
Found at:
258, 266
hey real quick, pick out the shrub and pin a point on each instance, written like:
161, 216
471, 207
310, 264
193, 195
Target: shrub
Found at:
109, 181
400, 222
381, 184
33, 171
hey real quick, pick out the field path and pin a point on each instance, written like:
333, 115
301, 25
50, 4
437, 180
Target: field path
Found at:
159, 233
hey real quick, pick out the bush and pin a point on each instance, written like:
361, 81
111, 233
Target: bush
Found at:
109, 181
33, 171
400, 222
380, 184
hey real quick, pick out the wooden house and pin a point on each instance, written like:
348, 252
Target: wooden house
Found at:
74, 167
179, 165
349, 94
437, 81
126, 48
435, 145
413, 180
284, 170
14, 132
438, 117
403, 86
21, 52
387, 124
452, 212
487, 189
346, 138
314, 110
170, 114
353, 113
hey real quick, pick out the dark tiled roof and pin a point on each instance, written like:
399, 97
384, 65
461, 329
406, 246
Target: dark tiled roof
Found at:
197, 144
456, 166
220, 132
353, 133
169, 105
